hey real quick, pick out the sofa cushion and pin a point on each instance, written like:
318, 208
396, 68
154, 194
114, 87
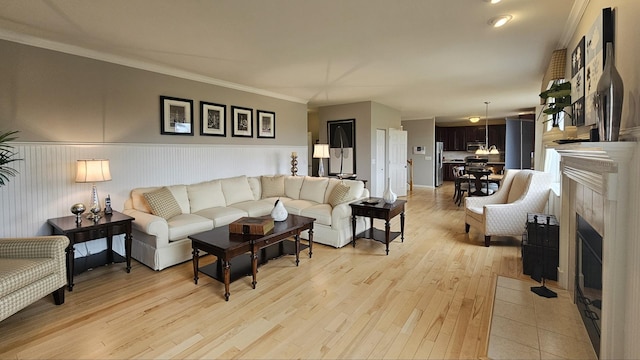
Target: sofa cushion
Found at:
183, 225
295, 207
222, 215
313, 189
292, 185
255, 208
272, 186
205, 195
236, 189
18, 273
256, 187
356, 188
162, 203
340, 194
182, 197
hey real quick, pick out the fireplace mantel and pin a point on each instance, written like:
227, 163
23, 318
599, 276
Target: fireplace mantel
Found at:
595, 185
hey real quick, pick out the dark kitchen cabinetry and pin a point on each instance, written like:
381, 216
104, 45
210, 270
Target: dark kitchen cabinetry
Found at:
452, 137
455, 138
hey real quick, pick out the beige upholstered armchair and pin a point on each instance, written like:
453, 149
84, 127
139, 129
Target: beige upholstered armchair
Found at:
505, 212
31, 268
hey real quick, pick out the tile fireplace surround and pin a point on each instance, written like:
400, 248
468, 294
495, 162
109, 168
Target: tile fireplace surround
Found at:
600, 183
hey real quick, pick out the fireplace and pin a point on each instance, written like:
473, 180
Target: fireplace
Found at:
599, 215
588, 289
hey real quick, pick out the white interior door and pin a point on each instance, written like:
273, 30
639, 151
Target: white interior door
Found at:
398, 161
380, 165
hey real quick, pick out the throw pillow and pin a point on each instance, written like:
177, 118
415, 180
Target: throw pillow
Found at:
339, 195
162, 203
272, 186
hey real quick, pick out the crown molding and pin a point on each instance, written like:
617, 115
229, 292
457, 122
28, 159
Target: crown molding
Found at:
137, 64
577, 10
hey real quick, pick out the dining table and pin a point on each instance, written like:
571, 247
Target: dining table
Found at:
482, 177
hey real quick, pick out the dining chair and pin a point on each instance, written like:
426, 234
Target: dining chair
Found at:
462, 184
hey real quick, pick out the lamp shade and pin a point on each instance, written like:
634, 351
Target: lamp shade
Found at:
555, 69
91, 171
321, 151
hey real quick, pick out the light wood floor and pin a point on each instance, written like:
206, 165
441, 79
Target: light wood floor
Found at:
431, 297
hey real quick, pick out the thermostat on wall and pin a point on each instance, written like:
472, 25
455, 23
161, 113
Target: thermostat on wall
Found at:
419, 150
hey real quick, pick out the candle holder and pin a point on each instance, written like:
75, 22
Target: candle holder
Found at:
294, 165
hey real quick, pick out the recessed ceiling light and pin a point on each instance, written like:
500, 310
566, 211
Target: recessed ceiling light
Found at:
492, 1
499, 21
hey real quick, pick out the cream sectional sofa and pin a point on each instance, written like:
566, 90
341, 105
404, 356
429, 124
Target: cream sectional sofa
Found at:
161, 240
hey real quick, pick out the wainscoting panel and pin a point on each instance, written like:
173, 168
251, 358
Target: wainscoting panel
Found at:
45, 187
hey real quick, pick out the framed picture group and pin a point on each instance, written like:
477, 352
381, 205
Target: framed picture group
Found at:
176, 118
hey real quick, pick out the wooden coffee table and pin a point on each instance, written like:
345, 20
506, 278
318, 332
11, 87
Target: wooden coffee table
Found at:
376, 208
244, 252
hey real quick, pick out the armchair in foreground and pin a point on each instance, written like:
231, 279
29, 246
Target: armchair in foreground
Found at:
31, 268
505, 212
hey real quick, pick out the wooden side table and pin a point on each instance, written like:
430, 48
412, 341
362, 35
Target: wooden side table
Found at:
378, 209
106, 227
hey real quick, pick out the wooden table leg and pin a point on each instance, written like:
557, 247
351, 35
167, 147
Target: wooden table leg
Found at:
387, 234
226, 268
297, 241
402, 226
70, 264
195, 260
310, 242
254, 266
353, 229
128, 238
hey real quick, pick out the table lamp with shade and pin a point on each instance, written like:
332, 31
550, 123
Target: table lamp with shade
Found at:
321, 151
93, 171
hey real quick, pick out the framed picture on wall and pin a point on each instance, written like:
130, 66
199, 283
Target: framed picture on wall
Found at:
266, 124
213, 119
176, 116
596, 38
577, 83
342, 147
242, 121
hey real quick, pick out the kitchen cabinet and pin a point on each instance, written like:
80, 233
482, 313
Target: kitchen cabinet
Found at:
497, 134
452, 137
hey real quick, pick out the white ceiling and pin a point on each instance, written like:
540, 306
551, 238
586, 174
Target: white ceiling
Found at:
426, 58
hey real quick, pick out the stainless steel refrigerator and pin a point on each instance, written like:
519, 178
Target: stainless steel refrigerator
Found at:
439, 170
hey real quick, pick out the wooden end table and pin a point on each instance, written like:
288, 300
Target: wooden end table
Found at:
105, 227
378, 209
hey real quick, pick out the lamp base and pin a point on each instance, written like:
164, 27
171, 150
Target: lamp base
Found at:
321, 169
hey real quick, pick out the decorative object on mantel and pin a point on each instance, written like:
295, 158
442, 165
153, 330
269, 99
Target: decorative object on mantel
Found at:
608, 99
389, 196
7, 155
279, 212
294, 163
93, 171
77, 210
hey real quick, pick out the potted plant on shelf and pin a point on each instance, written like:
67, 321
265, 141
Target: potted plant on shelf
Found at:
7, 156
560, 92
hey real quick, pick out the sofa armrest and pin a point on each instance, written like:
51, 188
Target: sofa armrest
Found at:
37, 247
149, 223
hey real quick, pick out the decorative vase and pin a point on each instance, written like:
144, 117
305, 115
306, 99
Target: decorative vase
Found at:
389, 196
608, 99
279, 212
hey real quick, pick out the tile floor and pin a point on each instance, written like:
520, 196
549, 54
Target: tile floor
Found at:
527, 326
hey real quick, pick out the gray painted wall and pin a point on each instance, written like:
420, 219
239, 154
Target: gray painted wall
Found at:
421, 133
53, 96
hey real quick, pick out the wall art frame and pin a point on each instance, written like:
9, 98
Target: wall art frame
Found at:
342, 147
213, 120
176, 116
266, 124
600, 33
577, 83
242, 121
